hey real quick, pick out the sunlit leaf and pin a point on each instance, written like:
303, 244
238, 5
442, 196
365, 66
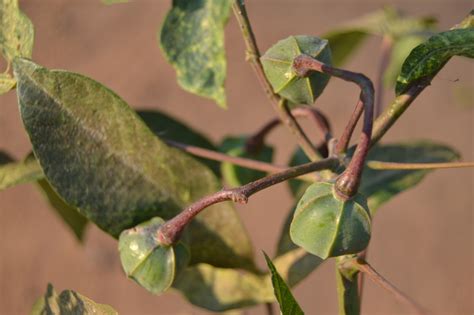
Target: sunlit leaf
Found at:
16, 31
286, 300
110, 2
6, 83
347, 38
69, 302
192, 39
22, 172
103, 160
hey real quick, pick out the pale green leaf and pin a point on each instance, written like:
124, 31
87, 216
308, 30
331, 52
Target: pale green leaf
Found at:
286, 300
429, 57
348, 37
22, 172
16, 31
192, 39
103, 160
69, 302
7, 83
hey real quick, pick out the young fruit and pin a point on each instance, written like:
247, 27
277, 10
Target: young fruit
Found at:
327, 226
152, 265
278, 66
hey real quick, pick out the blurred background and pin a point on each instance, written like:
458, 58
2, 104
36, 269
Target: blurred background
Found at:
422, 241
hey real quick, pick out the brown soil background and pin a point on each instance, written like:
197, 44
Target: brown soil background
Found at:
422, 240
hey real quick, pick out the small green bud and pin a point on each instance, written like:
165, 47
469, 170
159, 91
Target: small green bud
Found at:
278, 66
152, 265
327, 226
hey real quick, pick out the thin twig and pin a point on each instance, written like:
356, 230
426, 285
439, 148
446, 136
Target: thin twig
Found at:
243, 162
373, 275
385, 51
379, 165
256, 141
348, 182
345, 138
170, 232
280, 106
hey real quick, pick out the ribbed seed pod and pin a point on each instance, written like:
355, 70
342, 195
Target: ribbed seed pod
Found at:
278, 66
327, 226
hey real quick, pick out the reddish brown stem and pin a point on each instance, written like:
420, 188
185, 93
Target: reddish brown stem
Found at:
343, 142
280, 107
348, 182
373, 275
256, 142
170, 232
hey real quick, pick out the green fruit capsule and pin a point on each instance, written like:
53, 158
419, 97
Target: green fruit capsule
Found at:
327, 226
278, 66
146, 261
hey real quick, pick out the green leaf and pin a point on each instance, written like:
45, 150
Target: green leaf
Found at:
277, 63
379, 186
429, 57
222, 289
298, 187
16, 31
192, 39
286, 300
110, 2
7, 83
400, 51
145, 260
71, 216
169, 128
235, 175
102, 159
346, 39
16, 173
67, 303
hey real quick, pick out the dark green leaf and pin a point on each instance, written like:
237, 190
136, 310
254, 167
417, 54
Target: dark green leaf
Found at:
16, 31
103, 160
277, 63
298, 187
285, 298
192, 39
68, 303
169, 128
379, 186
16, 173
235, 175
429, 57
76, 221
222, 289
